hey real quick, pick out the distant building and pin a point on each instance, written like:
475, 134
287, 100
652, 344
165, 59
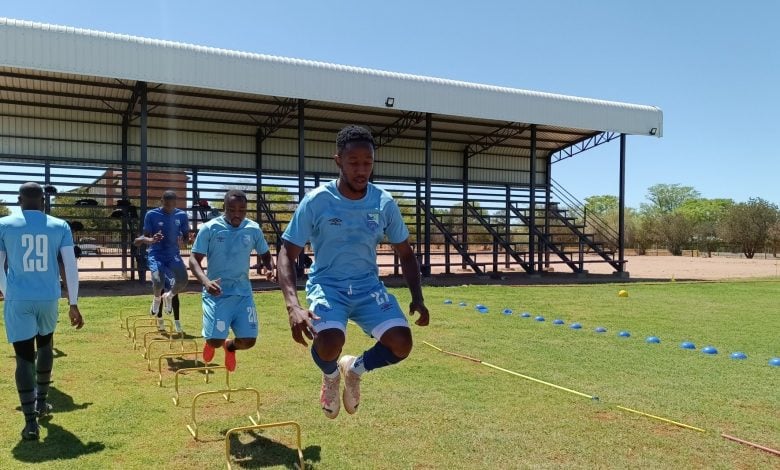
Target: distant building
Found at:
108, 186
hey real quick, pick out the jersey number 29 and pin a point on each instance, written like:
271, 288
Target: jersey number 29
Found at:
36, 252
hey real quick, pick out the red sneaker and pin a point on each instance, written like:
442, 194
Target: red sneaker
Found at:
230, 358
208, 352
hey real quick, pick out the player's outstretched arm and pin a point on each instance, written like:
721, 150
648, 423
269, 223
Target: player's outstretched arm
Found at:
411, 272
300, 318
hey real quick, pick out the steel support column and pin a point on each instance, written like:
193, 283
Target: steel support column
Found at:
46, 184
144, 161
428, 157
259, 176
301, 152
622, 205
532, 203
507, 224
547, 189
464, 225
125, 228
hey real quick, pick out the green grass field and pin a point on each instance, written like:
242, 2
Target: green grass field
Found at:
436, 410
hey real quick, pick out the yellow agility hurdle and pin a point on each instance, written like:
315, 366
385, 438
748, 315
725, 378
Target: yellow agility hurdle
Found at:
171, 355
123, 318
208, 370
226, 393
297, 427
148, 356
129, 334
151, 323
167, 337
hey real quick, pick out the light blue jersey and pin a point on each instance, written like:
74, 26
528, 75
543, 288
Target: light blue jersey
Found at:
32, 241
227, 251
344, 234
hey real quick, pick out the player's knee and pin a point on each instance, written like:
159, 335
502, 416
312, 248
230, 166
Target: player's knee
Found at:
25, 350
244, 343
215, 342
44, 341
329, 344
399, 341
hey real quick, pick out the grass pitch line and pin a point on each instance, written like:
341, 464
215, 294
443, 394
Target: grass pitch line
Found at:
676, 423
527, 377
751, 444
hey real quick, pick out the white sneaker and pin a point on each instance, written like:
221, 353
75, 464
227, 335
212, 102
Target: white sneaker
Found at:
329, 396
167, 299
160, 325
155, 307
351, 384
177, 326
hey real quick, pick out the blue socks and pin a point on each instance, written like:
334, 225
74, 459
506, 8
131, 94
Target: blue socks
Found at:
378, 356
327, 367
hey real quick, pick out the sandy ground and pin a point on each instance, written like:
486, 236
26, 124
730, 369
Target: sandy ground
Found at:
640, 268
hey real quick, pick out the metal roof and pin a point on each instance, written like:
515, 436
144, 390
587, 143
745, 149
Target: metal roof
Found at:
94, 72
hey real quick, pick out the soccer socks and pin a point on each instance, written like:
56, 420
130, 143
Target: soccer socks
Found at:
329, 368
375, 357
43, 367
25, 377
176, 307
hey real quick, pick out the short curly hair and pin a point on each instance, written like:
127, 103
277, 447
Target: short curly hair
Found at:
352, 133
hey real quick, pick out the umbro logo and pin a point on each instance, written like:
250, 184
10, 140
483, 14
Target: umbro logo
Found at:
335, 221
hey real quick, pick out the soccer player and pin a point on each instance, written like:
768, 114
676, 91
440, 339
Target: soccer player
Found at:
30, 242
344, 220
162, 228
227, 243
168, 281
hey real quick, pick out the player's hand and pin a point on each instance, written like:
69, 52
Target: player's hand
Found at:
157, 237
420, 308
300, 324
270, 272
75, 317
213, 287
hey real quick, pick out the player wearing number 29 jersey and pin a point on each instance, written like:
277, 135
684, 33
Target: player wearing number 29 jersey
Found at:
30, 243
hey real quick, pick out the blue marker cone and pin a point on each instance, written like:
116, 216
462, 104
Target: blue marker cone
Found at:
653, 339
624, 334
462, 304
558, 321
482, 309
709, 350
525, 315
447, 302
687, 345
774, 362
600, 329
738, 355
539, 318
575, 326
507, 311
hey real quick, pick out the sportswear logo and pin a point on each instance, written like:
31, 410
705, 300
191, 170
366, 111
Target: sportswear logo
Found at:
335, 221
372, 220
220, 238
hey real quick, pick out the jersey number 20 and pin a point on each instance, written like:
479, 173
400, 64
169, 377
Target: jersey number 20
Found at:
36, 252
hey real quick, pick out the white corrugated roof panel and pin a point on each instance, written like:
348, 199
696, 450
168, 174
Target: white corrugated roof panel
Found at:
49, 48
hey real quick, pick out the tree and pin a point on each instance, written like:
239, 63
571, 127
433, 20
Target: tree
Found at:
667, 198
706, 214
747, 225
675, 230
601, 205
4, 210
774, 237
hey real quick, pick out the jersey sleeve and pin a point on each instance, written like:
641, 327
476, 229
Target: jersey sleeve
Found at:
299, 230
148, 223
184, 224
67, 236
395, 230
261, 246
2, 240
202, 240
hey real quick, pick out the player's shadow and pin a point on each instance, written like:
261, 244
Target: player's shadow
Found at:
58, 444
263, 452
62, 402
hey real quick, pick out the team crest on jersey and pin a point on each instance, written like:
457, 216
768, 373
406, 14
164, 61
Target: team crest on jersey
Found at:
246, 240
372, 220
177, 222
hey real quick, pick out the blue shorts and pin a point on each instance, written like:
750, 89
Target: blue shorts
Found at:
375, 310
24, 319
164, 263
229, 311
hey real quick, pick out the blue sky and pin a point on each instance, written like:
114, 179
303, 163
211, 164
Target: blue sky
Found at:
713, 67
